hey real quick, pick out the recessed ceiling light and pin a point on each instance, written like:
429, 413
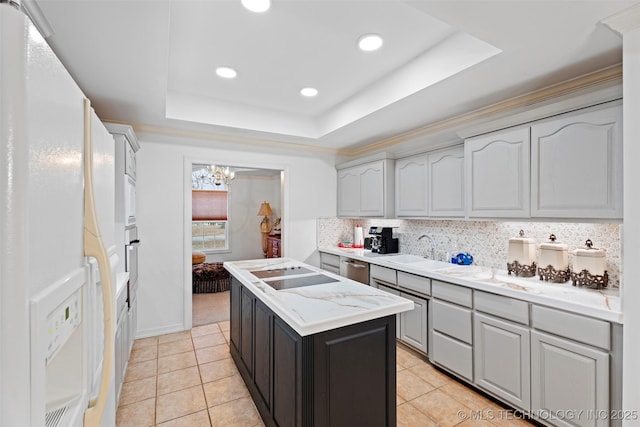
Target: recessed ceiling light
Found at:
370, 42
226, 72
309, 92
258, 6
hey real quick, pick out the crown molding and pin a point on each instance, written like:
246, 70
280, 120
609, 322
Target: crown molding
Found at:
126, 130
625, 20
212, 136
587, 81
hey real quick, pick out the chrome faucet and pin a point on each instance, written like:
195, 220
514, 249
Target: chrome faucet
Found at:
433, 244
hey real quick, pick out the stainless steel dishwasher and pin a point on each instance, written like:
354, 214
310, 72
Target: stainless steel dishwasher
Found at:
354, 269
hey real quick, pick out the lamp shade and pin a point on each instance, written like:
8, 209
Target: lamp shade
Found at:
265, 209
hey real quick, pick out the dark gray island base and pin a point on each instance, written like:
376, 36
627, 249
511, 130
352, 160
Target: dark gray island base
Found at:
340, 377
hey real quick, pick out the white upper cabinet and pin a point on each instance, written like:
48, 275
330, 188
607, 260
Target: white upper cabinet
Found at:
497, 174
366, 190
348, 192
431, 185
446, 183
411, 187
372, 189
576, 165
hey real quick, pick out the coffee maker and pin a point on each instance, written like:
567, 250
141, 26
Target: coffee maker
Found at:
382, 240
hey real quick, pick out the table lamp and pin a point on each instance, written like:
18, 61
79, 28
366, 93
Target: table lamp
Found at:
265, 225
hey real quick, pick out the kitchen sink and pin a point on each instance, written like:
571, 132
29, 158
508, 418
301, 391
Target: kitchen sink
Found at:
418, 262
404, 259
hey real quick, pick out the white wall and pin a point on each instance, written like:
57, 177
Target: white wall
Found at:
163, 184
631, 227
246, 193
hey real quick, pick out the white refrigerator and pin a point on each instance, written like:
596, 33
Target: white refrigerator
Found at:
56, 234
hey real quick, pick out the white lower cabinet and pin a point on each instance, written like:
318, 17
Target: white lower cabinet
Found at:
398, 316
452, 354
122, 338
413, 324
569, 379
502, 359
451, 345
330, 262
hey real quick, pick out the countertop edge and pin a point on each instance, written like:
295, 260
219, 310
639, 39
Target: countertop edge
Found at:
316, 327
121, 281
562, 304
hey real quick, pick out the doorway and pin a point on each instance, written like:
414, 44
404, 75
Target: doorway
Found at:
231, 237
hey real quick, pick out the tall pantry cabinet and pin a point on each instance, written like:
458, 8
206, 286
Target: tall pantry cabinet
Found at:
126, 146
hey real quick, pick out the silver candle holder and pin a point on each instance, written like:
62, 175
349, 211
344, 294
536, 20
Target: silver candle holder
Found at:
521, 270
593, 281
550, 274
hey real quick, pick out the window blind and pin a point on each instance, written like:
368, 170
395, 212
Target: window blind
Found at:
208, 205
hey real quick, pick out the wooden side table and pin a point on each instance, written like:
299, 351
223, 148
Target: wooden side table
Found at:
274, 247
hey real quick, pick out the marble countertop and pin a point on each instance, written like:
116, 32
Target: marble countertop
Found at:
318, 308
602, 304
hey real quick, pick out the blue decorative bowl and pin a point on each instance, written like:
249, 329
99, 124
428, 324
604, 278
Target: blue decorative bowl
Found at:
464, 259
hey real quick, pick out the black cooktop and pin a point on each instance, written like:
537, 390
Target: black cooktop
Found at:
297, 282
280, 272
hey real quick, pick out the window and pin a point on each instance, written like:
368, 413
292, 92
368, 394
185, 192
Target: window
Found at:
209, 222
210, 235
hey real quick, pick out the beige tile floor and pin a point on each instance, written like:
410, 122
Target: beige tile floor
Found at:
188, 379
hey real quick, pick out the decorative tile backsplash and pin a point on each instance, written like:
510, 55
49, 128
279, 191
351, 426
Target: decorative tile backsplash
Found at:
487, 241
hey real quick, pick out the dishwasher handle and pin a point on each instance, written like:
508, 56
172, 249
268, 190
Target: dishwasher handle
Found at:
354, 264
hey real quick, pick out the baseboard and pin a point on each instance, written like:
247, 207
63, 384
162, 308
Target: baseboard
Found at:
146, 333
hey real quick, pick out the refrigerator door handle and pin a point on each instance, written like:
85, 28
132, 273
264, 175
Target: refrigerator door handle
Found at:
94, 247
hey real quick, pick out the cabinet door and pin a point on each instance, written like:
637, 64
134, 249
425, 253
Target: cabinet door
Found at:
398, 316
452, 320
567, 376
286, 376
129, 160
411, 187
119, 360
235, 310
501, 359
452, 354
497, 174
262, 374
413, 324
576, 162
372, 189
349, 192
134, 321
446, 183
246, 330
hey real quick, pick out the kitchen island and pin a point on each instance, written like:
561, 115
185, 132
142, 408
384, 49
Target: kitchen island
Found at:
313, 348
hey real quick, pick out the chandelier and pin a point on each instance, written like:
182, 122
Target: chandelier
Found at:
215, 175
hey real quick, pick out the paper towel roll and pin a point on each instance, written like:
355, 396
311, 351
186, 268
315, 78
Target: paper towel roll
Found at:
358, 236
